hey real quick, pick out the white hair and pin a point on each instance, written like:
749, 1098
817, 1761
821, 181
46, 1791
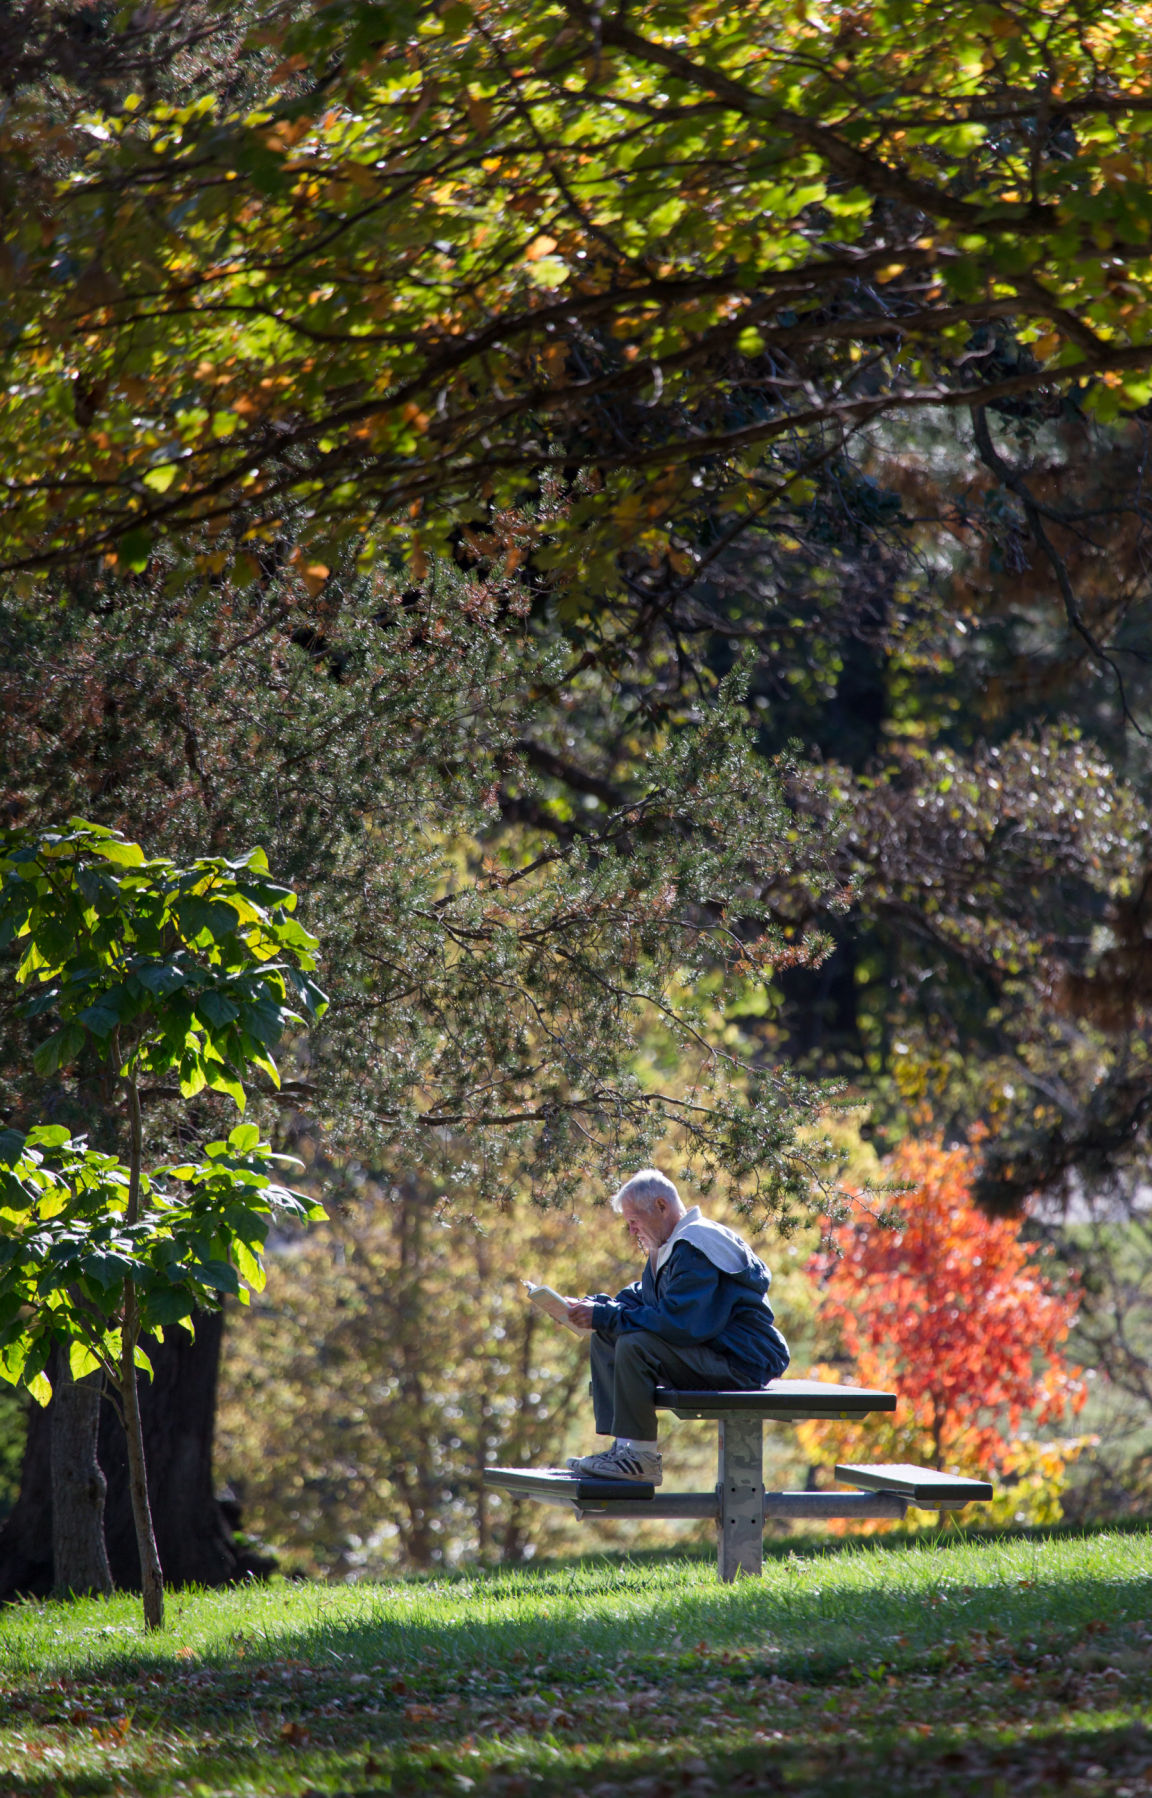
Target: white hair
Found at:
646, 1189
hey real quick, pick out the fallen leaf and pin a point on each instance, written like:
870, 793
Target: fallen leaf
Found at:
114, 1731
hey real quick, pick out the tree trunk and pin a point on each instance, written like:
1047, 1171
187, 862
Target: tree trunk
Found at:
152, 1580
193, 1534
79, 1488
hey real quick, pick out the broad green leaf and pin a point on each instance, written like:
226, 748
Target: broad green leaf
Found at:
108, 1267
169, 1305
40, 1387
103, 1015
59, 1049
249, 1266
216, 1010
211, 917
265, 1021
221, 1080
120, 853
266, 1064
219, 1275
46, 1136
81, 1360
162, 978
193, 1077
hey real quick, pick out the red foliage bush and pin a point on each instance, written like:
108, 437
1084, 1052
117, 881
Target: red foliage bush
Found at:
954, 1312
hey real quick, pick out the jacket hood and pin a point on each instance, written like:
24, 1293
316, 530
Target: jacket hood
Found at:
727, 1251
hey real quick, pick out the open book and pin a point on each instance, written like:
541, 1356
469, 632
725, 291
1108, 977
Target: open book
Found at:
545, 1299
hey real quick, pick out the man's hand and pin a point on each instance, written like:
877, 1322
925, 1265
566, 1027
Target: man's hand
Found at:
580, 1312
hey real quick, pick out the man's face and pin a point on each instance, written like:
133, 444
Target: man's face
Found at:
649, 1227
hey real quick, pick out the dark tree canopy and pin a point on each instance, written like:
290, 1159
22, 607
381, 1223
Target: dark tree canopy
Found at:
375, 268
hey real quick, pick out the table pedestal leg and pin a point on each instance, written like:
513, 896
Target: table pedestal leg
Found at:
741, 1482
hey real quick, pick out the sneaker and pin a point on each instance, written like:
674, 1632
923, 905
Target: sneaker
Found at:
620, 1463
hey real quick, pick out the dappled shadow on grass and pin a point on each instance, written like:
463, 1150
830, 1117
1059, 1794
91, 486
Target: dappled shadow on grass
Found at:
860, 1670
1089, 1756
832, 1619
795, 1624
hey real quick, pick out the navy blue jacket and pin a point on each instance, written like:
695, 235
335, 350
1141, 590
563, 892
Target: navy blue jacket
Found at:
691, 1302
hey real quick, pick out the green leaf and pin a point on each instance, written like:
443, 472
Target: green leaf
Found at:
168, 1305
102, 1017
222, 1080
14, 1195
216, 1010
12, 1143
220, 1275
265, 1021
211, 917
81, 1360
40, 1386
193, 1078
162, 978
59, 1049
47, 1136
267, 1066
99, 889
107, 1267
120, 853
250, 1267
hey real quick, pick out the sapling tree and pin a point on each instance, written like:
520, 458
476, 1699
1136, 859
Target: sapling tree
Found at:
155, 970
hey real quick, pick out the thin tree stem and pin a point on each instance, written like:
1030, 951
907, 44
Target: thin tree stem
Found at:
151, 1574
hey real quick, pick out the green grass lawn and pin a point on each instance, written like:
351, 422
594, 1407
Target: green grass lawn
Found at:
971, 1666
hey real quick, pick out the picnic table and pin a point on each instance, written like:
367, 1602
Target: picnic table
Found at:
738, 1502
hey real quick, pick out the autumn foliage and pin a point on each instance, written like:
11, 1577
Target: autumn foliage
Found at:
955, 1313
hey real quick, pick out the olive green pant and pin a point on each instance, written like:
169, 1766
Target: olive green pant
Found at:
627, 1371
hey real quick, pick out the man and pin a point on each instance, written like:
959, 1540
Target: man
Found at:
699, 1318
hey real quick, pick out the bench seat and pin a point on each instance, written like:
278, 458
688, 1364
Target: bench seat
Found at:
789, 1401
636, 1498
916, 1485
554, 1483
